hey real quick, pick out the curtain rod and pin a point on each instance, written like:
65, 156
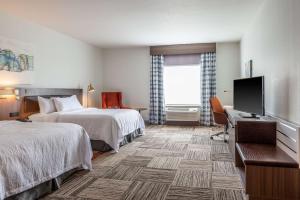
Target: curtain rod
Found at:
181, 49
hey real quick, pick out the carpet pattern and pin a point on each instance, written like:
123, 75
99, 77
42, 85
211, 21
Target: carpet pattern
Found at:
167, 163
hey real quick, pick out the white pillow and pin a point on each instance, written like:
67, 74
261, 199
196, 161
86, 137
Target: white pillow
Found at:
46, 105
67, 103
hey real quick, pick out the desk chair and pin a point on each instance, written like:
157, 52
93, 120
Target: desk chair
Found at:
219, 115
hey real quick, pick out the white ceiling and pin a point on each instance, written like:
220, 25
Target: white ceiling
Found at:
111, 23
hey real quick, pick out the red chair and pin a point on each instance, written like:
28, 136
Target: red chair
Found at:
112, 100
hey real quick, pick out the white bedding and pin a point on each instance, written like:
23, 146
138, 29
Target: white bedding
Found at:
32, 153
108, 125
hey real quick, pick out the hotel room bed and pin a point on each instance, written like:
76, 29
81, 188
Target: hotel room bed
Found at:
32, 154
113, 126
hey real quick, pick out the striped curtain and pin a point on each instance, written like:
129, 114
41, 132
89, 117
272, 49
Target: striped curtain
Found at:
208, 86
157, 103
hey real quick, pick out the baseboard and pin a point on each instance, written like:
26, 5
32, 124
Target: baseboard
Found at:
183, 123
177, 123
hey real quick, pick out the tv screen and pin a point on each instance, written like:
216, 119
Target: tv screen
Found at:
249, 95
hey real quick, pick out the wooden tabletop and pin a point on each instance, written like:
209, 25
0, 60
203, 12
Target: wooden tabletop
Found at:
139, 108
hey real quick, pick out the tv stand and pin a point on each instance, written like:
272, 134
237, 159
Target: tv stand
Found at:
249, 116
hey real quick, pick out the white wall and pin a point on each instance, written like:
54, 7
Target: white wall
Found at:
273, 42
60, 61
227, 69
128, 70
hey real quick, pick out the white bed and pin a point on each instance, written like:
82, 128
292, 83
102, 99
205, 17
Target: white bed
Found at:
108, 125
33, 153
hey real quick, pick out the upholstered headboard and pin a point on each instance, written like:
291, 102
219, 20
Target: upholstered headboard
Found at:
29, 97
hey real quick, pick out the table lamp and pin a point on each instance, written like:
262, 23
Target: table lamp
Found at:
6, 92
90, 89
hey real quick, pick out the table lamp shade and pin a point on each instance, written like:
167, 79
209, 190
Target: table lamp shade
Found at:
7, 91
90, 88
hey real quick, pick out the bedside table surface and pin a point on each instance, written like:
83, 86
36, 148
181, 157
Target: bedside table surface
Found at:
139, 108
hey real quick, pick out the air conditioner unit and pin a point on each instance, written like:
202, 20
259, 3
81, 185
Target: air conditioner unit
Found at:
183, 114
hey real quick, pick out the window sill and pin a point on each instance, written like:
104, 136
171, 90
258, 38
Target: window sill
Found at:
184, 105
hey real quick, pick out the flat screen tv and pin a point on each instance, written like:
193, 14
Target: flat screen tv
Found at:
249, 96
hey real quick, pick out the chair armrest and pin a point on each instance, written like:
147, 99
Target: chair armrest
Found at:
259, 132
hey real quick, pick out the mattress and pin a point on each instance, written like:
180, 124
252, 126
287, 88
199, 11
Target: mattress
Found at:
33, 153
108, 125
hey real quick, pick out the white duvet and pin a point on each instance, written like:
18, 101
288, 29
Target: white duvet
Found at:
108, 125
32, 153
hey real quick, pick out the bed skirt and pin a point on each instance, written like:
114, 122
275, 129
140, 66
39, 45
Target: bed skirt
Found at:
99, 145
52, 185
43, 188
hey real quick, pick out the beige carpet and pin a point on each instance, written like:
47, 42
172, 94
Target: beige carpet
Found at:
171, 163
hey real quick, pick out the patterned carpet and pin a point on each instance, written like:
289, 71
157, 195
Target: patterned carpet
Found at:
168, 163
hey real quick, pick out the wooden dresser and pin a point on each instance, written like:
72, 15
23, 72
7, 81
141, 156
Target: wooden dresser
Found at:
265, 152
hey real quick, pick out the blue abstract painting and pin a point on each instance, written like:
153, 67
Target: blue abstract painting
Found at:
12, 62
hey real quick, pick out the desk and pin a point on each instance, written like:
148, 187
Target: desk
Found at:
267, 172
234, 116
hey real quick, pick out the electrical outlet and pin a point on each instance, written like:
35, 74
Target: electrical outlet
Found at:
14, 114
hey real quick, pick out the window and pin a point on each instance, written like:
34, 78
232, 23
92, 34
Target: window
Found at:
182, 84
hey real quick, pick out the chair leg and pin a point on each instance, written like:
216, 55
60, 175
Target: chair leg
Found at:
224, 133
216, 134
